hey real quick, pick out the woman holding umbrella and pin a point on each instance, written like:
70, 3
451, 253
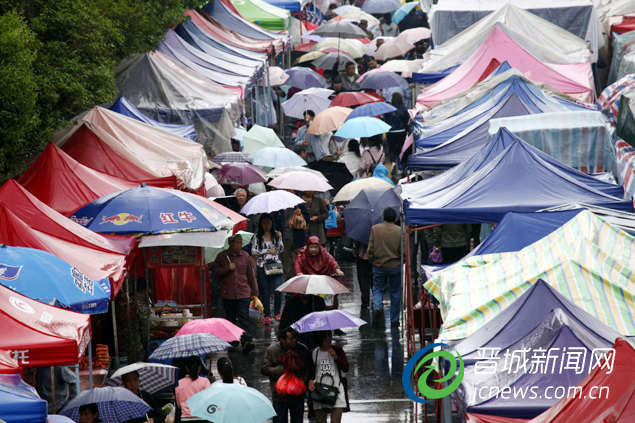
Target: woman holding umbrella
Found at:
188, 386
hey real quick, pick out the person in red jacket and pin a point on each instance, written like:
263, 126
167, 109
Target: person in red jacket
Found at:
315, 260
329, 362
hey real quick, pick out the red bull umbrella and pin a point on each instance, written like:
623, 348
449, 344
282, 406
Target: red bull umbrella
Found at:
147, 210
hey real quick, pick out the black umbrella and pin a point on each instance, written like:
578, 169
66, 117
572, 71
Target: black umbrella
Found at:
336, 173
367, 210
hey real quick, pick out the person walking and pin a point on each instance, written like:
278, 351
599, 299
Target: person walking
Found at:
384, 253
371, 157
298, 306
267, 247
226, 372
364, 272
189, 386
398, 120
452, 240
272, 366
237, 285
64, 389
329, 361
318, 213
130, 381
315, 260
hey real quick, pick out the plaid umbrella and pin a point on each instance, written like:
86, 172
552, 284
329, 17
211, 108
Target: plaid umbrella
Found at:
304, 78
233, 157
153, 378
328, 61
188, 345
116, 405
371, 110
367, 210
381, 80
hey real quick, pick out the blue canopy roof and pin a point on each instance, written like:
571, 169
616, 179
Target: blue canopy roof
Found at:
431, 78
126, 108
19, 403
221, 13
293, 6
519, 179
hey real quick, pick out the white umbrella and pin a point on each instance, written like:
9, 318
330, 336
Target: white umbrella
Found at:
300, 181
393, 49
270, 202
283, 170
300, 103
322, 92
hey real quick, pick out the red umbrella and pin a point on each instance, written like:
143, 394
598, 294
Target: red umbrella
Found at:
349, 99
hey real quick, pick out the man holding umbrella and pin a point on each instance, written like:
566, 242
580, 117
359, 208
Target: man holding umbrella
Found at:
131, 382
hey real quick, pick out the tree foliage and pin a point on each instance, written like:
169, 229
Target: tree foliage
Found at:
57, 60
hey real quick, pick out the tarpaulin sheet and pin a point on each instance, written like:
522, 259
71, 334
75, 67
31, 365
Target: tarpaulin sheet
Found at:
623, 47
484, 418
614, 8
19, 403
9, 365
591, 406
506, 175
575, 79
31, 223
431, 77
154, 150
609, 100
41, 335
583, 140
88, 149
587, 260
177, 49
170, 92
579, 17
545, 41
624, 27
126, 108
264, 14
62, 183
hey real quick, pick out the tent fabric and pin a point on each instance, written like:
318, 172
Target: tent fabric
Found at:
88, 149
19, 402
65, 185
583, 140
621, 60
609, 100
617, 407
293, 6
624, 27
31, 223
154, 150
614, 8
484, 418
579, 17
431, 77
41, 335
545, 41
519, 179
170, 92
180, 51
126, 108
622, 220
264, 14
575, 79
587, 260
626, 118
9, 365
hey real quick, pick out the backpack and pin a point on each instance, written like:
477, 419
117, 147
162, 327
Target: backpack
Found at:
373, 165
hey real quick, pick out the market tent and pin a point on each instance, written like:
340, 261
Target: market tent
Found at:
626, 118
505, 175
153, 149
170, 92
90, 150
19, 402
580, 139
180, 51
579, 17
65, 185
624, 27
587, 260
126, 108
609, 100
293, 6
619, 404
623, 58
545, 41
8, 364
31, 223
264, 14
39, 334
575, 79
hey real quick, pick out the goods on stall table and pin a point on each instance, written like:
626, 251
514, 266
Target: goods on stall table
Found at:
100, 361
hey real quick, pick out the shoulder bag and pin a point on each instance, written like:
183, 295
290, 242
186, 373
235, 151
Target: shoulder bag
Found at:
323, 393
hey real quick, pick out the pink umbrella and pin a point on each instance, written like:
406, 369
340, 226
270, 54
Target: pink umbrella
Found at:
222, 328
393, 49
277, 76
414, 35
240, 173
300, 181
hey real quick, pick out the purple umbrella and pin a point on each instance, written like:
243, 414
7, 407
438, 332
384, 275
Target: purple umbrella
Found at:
304, 78
241, 173
327, 320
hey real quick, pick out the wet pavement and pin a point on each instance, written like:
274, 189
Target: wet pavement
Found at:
376, 358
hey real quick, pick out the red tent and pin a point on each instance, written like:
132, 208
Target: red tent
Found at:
61, 182
9, 365
28, 222
88, 149
624, 27
40, 335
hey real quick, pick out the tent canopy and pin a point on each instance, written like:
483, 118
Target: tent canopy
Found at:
126, 108
264, 14
19, 402
40, 335
575, 79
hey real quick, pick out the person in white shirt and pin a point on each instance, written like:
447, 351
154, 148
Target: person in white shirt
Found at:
226, 372
389, 28
352, 157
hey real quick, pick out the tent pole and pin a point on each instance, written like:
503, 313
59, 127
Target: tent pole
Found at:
145, 306
77, 384
135, 327
54, 411
90, 364
255, 117
128, 313
114, 331
268, 100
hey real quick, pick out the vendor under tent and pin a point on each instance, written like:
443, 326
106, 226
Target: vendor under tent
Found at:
150, 81
19, 402
126, 108
575, 79
65, 185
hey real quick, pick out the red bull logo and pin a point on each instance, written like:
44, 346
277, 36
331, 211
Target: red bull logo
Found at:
121, 219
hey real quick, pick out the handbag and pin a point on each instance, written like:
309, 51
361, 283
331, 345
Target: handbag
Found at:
273, 267
323, 393
331, 222
297, 222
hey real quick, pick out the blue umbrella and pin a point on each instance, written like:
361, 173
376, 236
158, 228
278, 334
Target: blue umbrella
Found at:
43, 277
276, 157
147, 210
362, 127
403, 11
379, 7
304, 78
367, 210
188, 345
231, 402
371, 109
115, 405
381, 80
327, 320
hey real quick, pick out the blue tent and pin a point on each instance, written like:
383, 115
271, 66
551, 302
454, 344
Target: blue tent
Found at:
222, 13
293, 6
518, 179
19, 403
431, 78
126, 108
